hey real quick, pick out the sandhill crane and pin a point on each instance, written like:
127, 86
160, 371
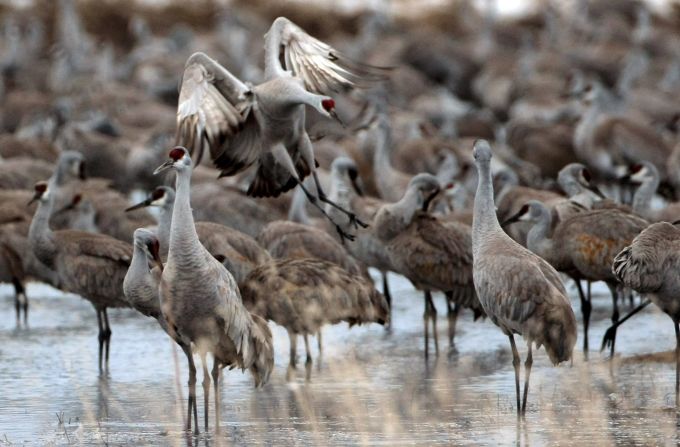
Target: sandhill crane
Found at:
582, 246
520, 292
242, 124
240, 251
650, 265
88, 264
141, 292
647, 176
201, 301
367, 248
577, 183
431, 254
304, 294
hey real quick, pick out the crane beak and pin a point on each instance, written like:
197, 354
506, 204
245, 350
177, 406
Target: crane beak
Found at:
30, 202
142, 204
597, 191
335, 116
512, 219
165, 166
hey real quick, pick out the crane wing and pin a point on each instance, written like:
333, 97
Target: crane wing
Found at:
214, 114
322, 68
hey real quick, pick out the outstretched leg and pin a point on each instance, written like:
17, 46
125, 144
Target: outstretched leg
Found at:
206, 389
515, 364
586, 308
353, 219
314, 200
192, 400
611, 331
452, 314
216, 384
527, 372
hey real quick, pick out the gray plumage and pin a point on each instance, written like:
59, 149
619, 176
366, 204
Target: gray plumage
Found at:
650, 265
520, 292
141, 292
199, 296
583, 246
433, 255
241, 252
265, 124
302, 295
285, 240
87, 264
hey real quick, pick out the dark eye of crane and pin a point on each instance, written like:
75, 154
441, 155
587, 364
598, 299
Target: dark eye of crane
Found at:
328, 104
177, 153
157, 193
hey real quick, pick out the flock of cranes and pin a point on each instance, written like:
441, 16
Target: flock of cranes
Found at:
219, 264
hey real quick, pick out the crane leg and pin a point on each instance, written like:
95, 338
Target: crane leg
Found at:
527, 372
353, 219
192, 391
206, 389
314, 200
20, 300
293, 355
586, 308
100, 337
515, 364
107, 336
216, 384
307, 350
192, 403
388, 298
453, 309
615, 318
433, 317
611, 331
426, 325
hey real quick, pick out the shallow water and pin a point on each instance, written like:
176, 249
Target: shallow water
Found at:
370, 387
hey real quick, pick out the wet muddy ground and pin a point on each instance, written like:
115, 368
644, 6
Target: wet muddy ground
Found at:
370, 387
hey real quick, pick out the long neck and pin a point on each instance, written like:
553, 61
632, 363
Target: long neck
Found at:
139, 286
164, 225
642, 200
381, 156
40, 234
298, 212
406, 207
183, 236
538, 238
484, 219
272, 44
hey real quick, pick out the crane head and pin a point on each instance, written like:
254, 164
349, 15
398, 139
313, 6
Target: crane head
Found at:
178, 158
